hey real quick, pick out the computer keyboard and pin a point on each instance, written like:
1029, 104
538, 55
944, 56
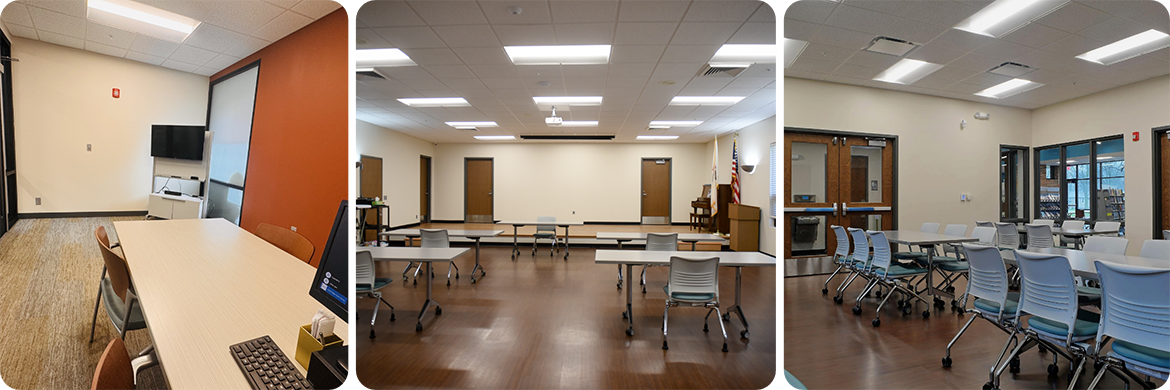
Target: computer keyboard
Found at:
266, 366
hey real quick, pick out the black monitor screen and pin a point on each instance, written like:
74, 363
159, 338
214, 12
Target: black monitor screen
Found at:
330, 284
160, 145
187, 142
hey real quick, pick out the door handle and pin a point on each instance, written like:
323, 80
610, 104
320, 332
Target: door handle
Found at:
844, 209
643, 194
834, 209
489, 193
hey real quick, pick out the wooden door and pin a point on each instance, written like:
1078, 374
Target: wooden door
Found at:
478, 190
812, 183
656, 191
371, 187
424, 189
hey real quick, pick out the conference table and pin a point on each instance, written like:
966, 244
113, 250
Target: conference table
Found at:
726, 259
516, 232
623, 237
420, 255
1083, 263
476, 235
205, 284
1078, 234
927, 241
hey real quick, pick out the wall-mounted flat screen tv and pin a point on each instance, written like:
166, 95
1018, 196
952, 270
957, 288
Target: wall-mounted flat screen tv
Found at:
177, 141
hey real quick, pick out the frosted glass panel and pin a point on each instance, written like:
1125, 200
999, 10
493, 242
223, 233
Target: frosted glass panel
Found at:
230, 120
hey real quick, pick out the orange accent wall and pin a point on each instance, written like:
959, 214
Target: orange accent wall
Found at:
297, 161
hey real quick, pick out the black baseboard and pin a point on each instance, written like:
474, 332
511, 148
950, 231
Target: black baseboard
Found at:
82, 214
445, 221
586, 222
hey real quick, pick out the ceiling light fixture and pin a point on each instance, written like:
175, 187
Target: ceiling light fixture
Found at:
559, 55
570, 100
1127, 48
472, 124
494, 137
705, 100
371, 58
676, 123
141, 18
1009, 88
435, 102
656, 137
907, 71
732, 55
792, 49
1004, 16
657, 127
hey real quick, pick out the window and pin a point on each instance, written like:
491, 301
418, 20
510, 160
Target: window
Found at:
1083, 180
773, 187
1013, 183
229, 116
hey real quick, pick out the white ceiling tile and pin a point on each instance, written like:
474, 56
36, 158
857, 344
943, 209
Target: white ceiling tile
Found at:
755, 33
986, 79
467, 36
212, 37
105, 49
636, 53
1151, 14
652, 11
913, 31
222, 61
192, 55
764, 14
286, 4
964, 88
840, 37
613, 84
933, 54
689, 53
847, 80
16, 13
1112, 30
584, 33
287, 23
873, 60
960, 40
388, 14
1140, 63
494, 71
795, 29
22, 31
109, 36
1045, 76
826, 52
71, 8
975, 62
435, 93
245, 46
1002, 50
1035, 35
482, 55
58, 39
410, 37
934, 81
153, 46
205, 71
721, 11
644, 33
1072, 45
532, 12
1100, 72
811, 64
244, 16
642, 71
953, 73
676, 72
449, 71
419, 84
520, 35
945, 13
57, 23
539, 71
433, 56
143, 57
194, 9
859, 19
584, 12
854, 71
368, 39
1113, 7
439, 13
704, 33
315, 9
579, 71
1072, 17
759, 70
177, 65
814, 11
464, 84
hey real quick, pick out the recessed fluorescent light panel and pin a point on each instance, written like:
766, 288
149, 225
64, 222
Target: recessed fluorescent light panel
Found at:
471, 124
657, 127
570, 100
891, 46
676, 123
907, 71
1009, 88
578, 124
435, 102
792, 49
705, 100
129, 15
1004, 16
1128, 48
494, 137
656, 137
367, 59
559, 55
738, 55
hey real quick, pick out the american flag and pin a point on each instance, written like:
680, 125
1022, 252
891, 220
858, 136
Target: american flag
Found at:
734, 170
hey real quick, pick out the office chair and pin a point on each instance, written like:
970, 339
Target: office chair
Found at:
951, 253
889, 274
1103, 244
287, 240
1039, 236
658, 242
992, 300
1048, 293
1108, 225
545, 231
1156, 249
928, 227
952, 270
1135, 314
1070, 225
1007, 235
693, 282
367, 285
437, 238
985, 224
861, 267
121, 301
113, 370
1048, 222
103, 241
840, 256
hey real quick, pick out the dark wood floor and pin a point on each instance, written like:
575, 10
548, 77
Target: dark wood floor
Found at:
828, 347
542, 322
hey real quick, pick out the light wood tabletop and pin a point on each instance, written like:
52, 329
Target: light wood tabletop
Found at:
206, 284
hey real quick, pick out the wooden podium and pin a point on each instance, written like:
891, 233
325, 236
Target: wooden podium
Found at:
745, 227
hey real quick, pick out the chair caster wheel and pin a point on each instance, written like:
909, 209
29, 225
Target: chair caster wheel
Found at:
619, 284
988, 386
1041, 349
629, 331
724, 347
456, 276
951, 289
926, 314
664, 346
907, 309
1097, 366
946, 362
1014, 366
391, 316
472, 280
954, 303
838, 300
824, 291
448, 283
743, 333
726, 316
901, 303
705, 327
624, 315
877, 294
418, 327
438, 310
876, 322
856, 310
415, 281
1053, 370
643, 289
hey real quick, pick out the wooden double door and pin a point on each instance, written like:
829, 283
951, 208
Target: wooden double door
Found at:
835, 179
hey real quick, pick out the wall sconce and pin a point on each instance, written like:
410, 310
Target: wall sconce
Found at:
749, 168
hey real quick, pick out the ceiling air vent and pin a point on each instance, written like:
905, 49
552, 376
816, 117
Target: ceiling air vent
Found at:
1011, 69
890, 46
721, 71
568, 137
370, 73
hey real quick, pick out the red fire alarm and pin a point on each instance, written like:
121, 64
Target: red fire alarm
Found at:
1136, 135
117, 93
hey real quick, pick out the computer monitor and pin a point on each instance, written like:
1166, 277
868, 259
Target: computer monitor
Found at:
330, 286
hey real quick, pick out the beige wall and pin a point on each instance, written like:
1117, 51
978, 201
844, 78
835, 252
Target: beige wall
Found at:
400, 171
62, 101
937, 161
597, 182
1137, 107
755, 143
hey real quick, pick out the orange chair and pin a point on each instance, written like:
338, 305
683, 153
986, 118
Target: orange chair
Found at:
113, 370
287, 240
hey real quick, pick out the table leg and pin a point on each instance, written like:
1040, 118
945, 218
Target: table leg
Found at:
737, 308
429, 302
566, 242
477, 266
693, 245
515, 234
619, 283
629, 313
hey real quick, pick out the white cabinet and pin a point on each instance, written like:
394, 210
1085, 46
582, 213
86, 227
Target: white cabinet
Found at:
175, 207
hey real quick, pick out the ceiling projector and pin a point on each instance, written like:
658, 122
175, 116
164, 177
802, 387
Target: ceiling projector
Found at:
554, 119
